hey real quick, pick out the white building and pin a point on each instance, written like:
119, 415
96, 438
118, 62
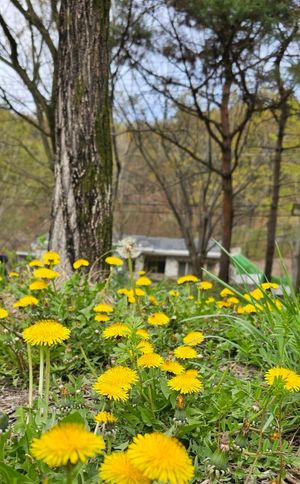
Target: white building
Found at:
169, 257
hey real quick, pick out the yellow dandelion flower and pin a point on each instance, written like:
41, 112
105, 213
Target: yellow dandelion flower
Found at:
51, 257
3, 313
45, 273
101, 317
66, 443
191, 298
137, 291
226, 292
143, 333
161, 458
35, 263
210, 300
153, 301
145, 347
103, 308
143, 281
117, 468
105, 417
278, 304
38, 285
13, 274
116, 330
185, 383
233, 300
269, 285
172, 366
114, 261
205, 285
188, 278
26, 301
46, 332
193, 338
121, 375
223, 304
290, 379
248, 308
193, 373
81, 263
185, 352
142, 273
158, 319
257, 294
174, 293
111, 391
131, 300
116, 382
150, 360
122, 291
293, 382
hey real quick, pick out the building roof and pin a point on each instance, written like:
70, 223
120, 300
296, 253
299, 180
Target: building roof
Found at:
169, 246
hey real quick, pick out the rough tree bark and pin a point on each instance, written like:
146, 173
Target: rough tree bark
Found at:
82, 205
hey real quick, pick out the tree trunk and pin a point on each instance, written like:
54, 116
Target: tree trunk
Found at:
226, 176
82, 205
226, 226
272, 221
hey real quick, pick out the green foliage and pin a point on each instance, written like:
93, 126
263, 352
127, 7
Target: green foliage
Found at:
236, 426
25, 185
214, 13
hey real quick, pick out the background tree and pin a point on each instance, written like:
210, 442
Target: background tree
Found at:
191, 190
28, 52
284, 87
25, 183
212, 53
82, 208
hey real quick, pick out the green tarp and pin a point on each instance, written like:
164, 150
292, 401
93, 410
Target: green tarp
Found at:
244, 266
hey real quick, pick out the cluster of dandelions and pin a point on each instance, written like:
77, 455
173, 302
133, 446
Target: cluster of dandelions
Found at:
150, 457
153, 456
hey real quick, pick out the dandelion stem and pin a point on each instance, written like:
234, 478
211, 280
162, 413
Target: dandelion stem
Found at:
130, 271
108, 445
92, 370
132, 284
108, 281
151, 400
41, 376
281, 456
47, 381
262, 412
69, 471
30, 389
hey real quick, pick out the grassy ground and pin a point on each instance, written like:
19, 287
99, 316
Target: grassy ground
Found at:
199, 357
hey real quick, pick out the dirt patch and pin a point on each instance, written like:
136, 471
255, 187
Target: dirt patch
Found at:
239, 370
12, 398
